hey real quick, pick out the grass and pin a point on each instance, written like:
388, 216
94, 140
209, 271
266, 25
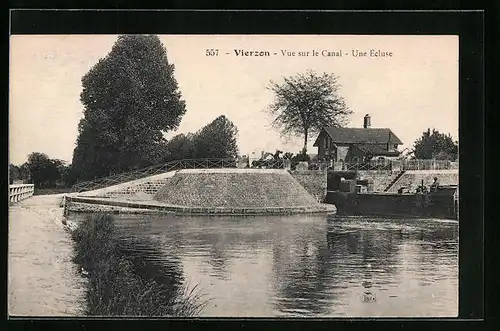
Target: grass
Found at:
114, 288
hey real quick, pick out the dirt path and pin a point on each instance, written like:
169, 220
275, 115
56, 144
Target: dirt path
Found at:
42, 280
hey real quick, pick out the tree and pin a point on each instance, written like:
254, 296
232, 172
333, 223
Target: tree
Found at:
305, 103
435, 145
44, 171
130, 100
24, 173
180, 147
14, 173
216, 140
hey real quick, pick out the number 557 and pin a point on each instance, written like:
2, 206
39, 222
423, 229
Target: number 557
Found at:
212, 52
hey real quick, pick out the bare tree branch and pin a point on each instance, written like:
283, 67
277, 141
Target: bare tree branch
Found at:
305, 103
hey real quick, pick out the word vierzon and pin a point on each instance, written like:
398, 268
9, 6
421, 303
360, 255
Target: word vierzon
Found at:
324, 53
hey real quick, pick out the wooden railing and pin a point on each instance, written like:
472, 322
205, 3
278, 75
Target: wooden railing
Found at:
159, 169
18, 192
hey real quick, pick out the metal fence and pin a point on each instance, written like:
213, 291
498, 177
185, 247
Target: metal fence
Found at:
371, 165
425, 164
153, 170
270, 164
393, 165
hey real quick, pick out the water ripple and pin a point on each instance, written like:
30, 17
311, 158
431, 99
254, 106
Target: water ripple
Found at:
306, 265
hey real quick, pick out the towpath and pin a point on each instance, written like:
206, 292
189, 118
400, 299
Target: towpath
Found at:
42, 279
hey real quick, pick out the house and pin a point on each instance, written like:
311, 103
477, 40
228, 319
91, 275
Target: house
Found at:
352, 145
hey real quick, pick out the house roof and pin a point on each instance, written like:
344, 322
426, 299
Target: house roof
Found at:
375, 150
360, 136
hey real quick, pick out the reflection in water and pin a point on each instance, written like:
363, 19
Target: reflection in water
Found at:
303, 272
149, 262
303, 265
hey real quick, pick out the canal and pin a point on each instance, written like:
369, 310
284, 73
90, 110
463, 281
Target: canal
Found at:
302, 265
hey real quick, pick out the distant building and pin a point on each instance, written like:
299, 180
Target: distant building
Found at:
357, 144
313, 157
253, 156
266, 156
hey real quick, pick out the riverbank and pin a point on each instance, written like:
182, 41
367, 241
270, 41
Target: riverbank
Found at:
42, 279
116, 286
109, 205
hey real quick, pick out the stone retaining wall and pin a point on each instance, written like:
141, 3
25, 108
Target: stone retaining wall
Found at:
87, 204
149, 186
235, 188
380, 178
414, 178
314, 181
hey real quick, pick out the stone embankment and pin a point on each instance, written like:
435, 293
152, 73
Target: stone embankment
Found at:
139, 189
105, 205
208, 192
413, 178
42, 279
314, 181
238, 188
380, 178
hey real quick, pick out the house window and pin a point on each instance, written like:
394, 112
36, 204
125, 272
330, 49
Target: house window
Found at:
327, 146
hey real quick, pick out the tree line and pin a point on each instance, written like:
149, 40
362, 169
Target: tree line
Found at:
41, 171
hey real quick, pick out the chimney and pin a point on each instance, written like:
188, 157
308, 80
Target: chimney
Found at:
367, 121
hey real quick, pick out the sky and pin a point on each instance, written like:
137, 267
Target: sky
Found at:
414, 89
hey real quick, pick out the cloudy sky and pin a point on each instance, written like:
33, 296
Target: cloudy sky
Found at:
414, 89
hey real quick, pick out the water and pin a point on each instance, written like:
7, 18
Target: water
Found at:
304, 265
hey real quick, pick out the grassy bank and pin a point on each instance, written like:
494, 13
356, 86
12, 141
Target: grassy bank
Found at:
114, 287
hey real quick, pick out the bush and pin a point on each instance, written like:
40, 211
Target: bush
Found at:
114, 288
48, 191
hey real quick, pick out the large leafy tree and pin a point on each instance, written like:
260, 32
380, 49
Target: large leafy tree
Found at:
14, 173
45, 172
216, 140
130, 99
307, 102
435, 145
180, 147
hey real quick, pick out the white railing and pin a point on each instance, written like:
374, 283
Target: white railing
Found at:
18, 192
